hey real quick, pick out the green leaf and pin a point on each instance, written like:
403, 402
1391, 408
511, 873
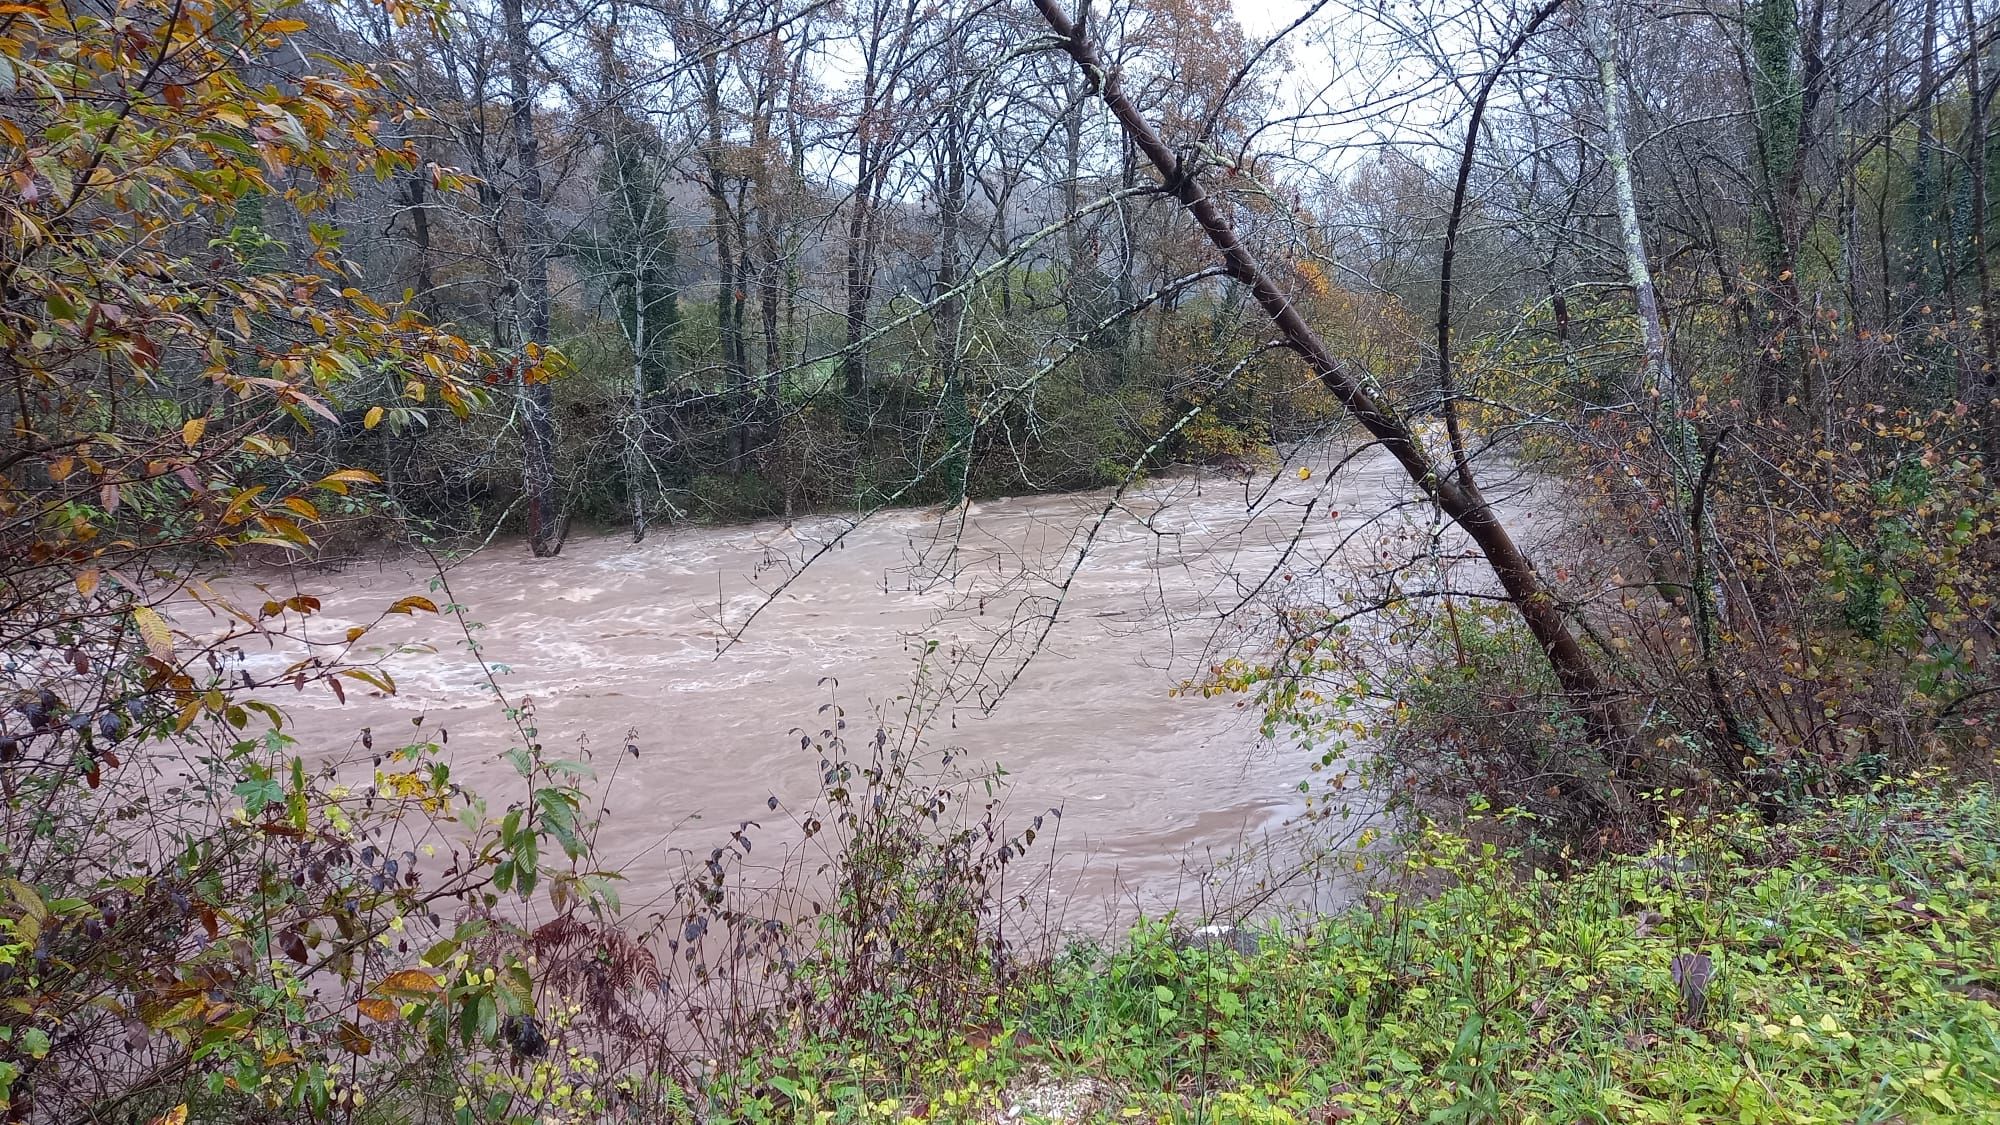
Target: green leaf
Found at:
258, 793
489, 1018
518, 987
233, 143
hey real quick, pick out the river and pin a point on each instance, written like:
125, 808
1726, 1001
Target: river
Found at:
709, 648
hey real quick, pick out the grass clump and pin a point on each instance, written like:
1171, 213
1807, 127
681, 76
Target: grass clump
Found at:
1842, 967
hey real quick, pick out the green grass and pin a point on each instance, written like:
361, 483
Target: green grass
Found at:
1856, 971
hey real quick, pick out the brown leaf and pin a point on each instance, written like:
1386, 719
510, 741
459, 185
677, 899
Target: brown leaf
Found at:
413, 982
379, 1010
352, 1038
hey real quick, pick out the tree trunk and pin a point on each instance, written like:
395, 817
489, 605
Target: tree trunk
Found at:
1782, 111
1126, 332
1975, 157
1924, 187
951, 309
728, 263
1079, 308
1657, 376
1447, 382
745, 394
1660, 392
858, 272
769, 289
545, 530
635, 421
420, 233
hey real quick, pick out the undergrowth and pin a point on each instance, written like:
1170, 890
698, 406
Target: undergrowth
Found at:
1841, 967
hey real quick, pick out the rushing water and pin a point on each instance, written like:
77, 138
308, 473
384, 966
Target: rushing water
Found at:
657, 641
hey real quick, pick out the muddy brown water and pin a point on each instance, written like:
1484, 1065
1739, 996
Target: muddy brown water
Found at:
655, 643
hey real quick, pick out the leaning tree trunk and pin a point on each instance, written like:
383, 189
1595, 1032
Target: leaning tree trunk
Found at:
1537, 605
545, 534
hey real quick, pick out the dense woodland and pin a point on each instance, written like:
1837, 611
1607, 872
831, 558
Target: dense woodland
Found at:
289, 281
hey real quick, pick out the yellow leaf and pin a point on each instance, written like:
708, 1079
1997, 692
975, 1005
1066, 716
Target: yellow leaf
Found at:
382, 1011
86, 581
175, 1116
241, 503
372, 419
1305, 473
414, 982
153, 630
30, 900
414, 603
191, 431
339, 478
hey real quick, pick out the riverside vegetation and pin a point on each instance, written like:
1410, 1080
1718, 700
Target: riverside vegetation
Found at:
1840, 967
1692, 789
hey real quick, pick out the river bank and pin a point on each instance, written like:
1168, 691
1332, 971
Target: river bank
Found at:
1839, 967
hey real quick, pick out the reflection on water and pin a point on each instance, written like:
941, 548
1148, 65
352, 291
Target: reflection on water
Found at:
615, 638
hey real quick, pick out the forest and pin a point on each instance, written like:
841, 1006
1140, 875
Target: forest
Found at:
1593, 405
